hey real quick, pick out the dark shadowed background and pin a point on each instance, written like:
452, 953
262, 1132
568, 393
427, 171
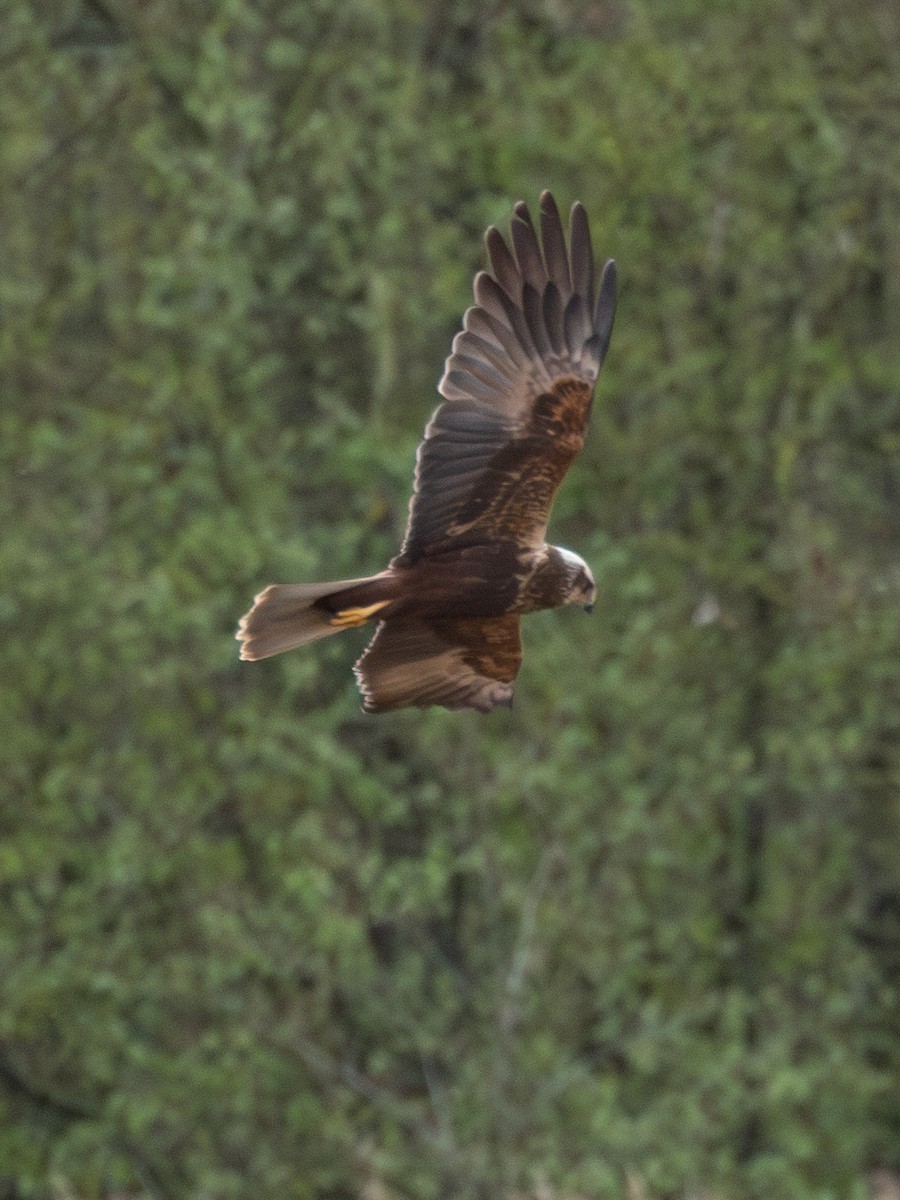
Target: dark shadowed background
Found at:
640, 936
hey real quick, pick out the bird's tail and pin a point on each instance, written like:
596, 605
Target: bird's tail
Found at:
286, 615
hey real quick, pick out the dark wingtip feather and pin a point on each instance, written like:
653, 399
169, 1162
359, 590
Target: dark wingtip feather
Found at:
549, 207
556, 256
527, 249
502, 262
520, 209
581, 254
605, 312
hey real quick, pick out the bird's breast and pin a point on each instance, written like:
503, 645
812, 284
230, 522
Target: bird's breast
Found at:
546, 582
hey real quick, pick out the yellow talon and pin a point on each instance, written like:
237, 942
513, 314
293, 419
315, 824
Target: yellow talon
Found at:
350, 618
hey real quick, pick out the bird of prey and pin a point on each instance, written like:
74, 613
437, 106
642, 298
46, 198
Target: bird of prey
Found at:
517, 392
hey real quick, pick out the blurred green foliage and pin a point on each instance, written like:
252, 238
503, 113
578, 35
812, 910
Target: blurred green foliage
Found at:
641, 933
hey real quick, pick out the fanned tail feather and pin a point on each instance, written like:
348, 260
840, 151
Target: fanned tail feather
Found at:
287, 615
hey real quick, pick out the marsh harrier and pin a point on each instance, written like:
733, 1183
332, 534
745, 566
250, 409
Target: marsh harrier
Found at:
517, 392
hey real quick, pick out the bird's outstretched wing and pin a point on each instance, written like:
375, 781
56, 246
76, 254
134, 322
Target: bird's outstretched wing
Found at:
465, 663
518, 387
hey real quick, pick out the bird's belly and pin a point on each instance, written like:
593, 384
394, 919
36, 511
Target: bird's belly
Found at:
472, 582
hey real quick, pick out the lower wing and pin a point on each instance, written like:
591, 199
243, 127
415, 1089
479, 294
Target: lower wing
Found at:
469, 663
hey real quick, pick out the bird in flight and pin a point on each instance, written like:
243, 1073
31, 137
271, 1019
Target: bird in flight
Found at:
517, 392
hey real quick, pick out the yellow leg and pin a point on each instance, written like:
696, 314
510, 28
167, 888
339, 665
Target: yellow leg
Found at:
350, 618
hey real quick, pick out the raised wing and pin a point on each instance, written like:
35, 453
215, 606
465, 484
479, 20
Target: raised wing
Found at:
457, 663
518, 388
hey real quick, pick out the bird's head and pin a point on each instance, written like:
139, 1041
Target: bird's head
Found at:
580, 586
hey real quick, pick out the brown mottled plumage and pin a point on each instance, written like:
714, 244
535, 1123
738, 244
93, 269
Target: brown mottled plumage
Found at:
517, 391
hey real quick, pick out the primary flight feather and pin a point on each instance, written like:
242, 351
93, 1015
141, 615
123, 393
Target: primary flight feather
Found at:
517, 391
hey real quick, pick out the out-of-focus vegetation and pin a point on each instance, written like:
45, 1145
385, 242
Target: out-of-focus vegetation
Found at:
641, 933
